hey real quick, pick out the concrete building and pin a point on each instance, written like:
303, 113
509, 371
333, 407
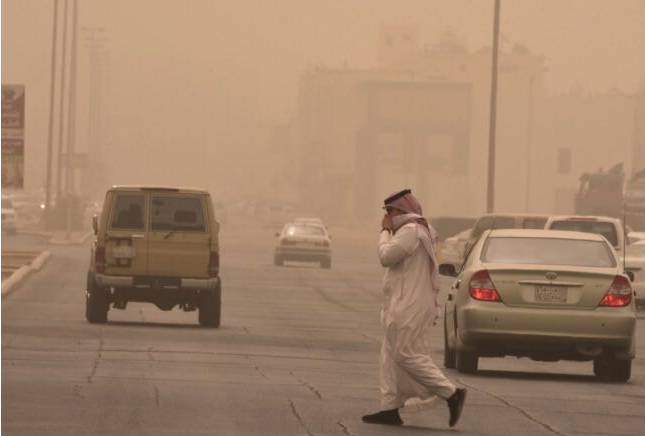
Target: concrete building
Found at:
421, 120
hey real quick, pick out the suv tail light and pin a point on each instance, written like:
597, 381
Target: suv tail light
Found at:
619, 293
482, 287
213, 264
99, 259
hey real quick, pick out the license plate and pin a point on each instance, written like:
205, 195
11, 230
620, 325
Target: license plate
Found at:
123, 252
550, 294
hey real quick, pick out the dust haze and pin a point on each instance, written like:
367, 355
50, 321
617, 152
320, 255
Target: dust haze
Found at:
326, 107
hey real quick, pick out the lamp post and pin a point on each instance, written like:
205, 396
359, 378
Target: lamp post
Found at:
490, 197
50, 129
70, 188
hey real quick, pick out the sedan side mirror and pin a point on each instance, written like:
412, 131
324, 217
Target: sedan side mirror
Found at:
447, 269
95, 224
630, 274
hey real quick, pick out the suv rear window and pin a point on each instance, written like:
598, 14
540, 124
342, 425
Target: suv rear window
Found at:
177, 213
128, 211
608, 230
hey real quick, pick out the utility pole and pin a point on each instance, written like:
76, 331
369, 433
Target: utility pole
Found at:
50, 131
97, 55
529, 144
61, 118
71, 123
490, 198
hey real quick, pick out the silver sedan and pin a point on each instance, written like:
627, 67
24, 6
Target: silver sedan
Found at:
546, 295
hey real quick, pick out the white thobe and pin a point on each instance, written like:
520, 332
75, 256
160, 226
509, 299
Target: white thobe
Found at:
408, 312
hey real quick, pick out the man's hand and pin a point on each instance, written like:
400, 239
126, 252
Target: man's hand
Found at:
386, 224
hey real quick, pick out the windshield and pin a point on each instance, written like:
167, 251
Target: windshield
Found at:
608, 230
548, 251
304, 230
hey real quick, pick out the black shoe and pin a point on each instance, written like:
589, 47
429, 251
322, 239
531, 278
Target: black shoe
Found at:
456, 405
387, 417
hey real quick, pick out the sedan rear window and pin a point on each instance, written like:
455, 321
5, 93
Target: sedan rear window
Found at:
177, 213
548, 251
608, 230
303, 230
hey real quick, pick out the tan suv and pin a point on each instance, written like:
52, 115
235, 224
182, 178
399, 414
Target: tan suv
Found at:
156, 245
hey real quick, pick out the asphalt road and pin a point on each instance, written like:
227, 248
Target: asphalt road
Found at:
296, 354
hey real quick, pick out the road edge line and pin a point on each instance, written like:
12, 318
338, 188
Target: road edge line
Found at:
22, 273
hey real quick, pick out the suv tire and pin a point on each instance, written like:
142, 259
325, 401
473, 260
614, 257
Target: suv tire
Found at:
210, 308
97, 303
612, 369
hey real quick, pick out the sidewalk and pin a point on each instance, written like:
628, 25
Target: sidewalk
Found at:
18, 265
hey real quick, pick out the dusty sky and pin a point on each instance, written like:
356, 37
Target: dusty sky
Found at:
176, 65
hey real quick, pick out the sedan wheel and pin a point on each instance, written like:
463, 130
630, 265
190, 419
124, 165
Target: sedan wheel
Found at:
449, 357
467, 362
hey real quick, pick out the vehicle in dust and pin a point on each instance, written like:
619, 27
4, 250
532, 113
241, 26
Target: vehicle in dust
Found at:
503, 221
303, 242
544, 295
157, 245
9, 218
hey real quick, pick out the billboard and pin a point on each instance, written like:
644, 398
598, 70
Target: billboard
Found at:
13, 136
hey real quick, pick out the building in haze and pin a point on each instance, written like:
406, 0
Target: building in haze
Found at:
421, 120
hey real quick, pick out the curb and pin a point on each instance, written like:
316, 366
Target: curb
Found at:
21, 274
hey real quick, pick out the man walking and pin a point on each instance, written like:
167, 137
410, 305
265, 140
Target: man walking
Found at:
410, 307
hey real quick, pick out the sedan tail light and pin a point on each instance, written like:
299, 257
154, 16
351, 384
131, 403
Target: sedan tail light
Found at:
619, 293
99, 259
482, 287
213, 264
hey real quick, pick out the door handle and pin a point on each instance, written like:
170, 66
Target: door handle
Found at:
138, 236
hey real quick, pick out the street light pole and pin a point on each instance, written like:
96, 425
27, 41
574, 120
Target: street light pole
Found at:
490, 197
529, 143
61, 118
71, 120
50, 132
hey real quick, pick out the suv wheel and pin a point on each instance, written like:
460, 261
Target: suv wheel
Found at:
97, 303
210, 308
612, 369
